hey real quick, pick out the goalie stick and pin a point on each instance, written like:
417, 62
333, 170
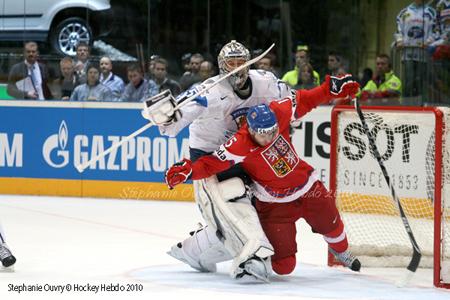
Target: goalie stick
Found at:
415, 260
202, 88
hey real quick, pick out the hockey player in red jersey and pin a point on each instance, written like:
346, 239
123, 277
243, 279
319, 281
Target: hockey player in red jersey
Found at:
286, 188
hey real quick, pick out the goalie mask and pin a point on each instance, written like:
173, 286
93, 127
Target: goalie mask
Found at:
231, 56
262, 124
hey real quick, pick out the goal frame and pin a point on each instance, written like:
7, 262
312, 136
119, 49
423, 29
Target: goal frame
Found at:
439, 127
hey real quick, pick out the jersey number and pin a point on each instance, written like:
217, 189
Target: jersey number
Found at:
230, 142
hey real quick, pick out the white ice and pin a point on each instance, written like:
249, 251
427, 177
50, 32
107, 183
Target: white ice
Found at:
76, 241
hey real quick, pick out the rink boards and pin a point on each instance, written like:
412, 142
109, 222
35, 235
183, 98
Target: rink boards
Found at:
41, 143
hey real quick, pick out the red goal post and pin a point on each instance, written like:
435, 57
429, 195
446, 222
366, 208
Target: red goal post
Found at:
414, 144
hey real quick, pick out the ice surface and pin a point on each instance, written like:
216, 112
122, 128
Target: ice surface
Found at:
73, 241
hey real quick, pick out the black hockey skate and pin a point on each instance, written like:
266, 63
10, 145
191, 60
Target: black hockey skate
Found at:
347, 259
6, 256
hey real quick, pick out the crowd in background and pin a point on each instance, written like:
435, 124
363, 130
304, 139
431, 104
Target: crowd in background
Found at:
421, 48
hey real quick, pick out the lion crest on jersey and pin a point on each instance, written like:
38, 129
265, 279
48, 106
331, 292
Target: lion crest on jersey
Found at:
281, 157
240, 116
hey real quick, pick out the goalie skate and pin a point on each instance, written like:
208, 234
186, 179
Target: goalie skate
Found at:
178, 252
6, 257
257, 268
202, 250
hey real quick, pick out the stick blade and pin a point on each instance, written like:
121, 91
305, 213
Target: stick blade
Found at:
415, 261
405, 280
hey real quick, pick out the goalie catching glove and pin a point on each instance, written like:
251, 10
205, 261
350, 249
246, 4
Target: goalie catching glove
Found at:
160, 109
178, 173
342, 86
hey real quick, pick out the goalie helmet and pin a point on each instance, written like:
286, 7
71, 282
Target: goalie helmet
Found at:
231, 56
262, 124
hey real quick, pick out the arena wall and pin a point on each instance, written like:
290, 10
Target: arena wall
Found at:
41, 143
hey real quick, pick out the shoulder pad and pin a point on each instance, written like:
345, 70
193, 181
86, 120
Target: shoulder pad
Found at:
261, 75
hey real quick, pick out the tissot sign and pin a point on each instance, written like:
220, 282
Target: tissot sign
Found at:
311, 140
406, 145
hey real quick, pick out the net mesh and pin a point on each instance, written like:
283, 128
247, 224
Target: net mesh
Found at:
406, 143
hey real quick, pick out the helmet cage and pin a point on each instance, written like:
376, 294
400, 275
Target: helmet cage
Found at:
231, 56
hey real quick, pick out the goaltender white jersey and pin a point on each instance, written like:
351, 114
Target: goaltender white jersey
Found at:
220, 113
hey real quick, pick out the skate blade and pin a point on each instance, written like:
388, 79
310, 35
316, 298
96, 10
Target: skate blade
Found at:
260, 278
252, 279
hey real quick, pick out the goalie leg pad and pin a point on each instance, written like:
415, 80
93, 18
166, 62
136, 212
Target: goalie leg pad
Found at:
227, 208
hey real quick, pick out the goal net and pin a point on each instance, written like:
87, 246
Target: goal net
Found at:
414, 144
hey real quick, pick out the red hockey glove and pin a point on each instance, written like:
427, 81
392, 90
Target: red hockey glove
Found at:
178, 173
342, 86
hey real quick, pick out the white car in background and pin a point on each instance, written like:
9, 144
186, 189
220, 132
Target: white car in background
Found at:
61, 23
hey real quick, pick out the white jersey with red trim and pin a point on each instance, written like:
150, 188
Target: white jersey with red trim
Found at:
278, 173
220, 115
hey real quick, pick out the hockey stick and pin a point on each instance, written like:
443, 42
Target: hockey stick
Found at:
415, 260
201, 88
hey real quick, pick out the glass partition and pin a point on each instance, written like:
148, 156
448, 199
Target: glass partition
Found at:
156, 40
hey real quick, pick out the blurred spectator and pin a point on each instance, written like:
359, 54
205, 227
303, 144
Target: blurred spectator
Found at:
334, 63
185, 61
109, 79
92, 89
138, 88
416, 29
366, 75
301, 57
194, 64
206, 70
343, 67
443, 21
187, 80
151, 66
385, 84
266, 64
29, 79
305, 77
68, 79
82, 60
162, 81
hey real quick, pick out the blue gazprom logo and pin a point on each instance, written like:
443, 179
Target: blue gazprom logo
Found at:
58, 143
